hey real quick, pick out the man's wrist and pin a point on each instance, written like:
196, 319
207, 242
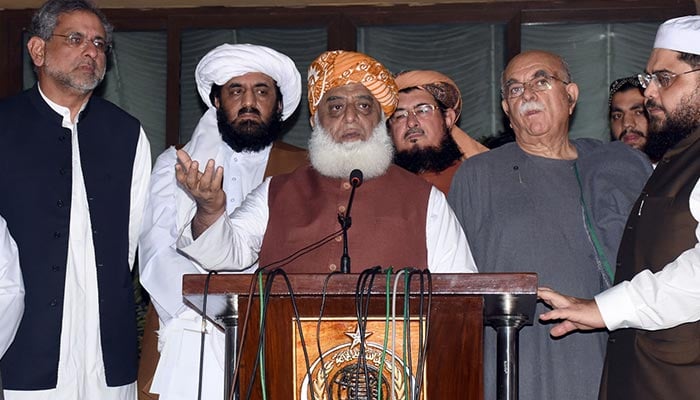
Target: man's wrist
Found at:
203, 220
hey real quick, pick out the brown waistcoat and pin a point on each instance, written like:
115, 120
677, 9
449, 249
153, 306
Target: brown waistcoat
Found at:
661, 364
443, 179
388, 221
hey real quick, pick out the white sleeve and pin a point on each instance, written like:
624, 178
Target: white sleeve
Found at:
448, 249
11, 289
140, 176
233, 242
659, 300
161, 266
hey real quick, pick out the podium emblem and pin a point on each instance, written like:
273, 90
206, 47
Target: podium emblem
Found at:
347, 370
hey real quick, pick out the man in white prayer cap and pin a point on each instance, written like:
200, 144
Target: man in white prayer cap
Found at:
654, 308
249, 90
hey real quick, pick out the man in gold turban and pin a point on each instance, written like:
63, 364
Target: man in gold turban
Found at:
350, 95
424, 130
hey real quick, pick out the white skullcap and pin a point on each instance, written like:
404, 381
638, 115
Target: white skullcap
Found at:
680, 34
231, 60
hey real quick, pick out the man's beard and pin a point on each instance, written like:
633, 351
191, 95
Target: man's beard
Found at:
430, 159
336, 160
248, 135
81, 85
665, 134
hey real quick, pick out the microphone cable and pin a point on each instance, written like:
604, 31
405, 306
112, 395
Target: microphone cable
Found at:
251, 292
262, 336
324, 293
423, 319
203, 333
362, 311
387, 301
393, 335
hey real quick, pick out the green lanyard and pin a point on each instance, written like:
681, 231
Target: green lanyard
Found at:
591, 231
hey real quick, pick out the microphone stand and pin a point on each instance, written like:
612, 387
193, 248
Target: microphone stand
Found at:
346, 221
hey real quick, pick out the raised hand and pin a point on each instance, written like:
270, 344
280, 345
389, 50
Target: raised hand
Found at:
205, 188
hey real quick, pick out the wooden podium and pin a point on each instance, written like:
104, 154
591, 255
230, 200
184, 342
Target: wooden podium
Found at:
461, 305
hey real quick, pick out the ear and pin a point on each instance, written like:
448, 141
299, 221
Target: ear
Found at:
450, 118
312, 122
280, 107
217, 103
37, 48
505, 107
572, 95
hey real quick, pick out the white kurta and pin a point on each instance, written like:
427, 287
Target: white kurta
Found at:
11, 288
235, 241
658, 300
169, 210
81, 373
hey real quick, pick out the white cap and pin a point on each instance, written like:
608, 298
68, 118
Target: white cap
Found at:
231, 60
680, 34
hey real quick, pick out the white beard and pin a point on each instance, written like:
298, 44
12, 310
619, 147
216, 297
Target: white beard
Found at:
336, 160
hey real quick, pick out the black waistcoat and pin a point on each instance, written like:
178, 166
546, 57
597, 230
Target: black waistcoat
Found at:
35, 160
662, 364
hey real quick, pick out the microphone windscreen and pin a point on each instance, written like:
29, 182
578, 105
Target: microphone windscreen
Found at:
356, 177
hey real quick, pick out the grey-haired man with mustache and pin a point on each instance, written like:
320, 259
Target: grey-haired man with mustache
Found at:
552, 205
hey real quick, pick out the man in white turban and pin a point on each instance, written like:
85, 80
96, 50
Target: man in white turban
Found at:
249, 90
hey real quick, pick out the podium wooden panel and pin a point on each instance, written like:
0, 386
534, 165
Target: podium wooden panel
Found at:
461, 304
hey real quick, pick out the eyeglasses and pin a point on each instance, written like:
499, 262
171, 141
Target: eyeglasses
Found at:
536, 84
77, 40
664, 78
422, 111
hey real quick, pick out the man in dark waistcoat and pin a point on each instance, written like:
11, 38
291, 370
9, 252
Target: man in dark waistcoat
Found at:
654, 351
76, 168
249, 91
398, 219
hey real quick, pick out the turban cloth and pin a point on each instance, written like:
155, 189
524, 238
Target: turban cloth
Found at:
230, 60
337, 68
444, 90
440, 86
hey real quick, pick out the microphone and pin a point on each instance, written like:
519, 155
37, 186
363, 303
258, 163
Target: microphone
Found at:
345, 220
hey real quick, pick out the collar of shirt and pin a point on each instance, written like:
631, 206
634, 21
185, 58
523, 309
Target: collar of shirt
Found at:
63, 111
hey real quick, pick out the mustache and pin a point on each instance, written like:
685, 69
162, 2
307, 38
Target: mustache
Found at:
249, 110
635, 131
649, 103
411, 131
90, 62
530, 106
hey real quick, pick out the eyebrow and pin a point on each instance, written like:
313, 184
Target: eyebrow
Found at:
361, 96
538, 74
72, 32
417, 105
333, 98
260, 84
637, 106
